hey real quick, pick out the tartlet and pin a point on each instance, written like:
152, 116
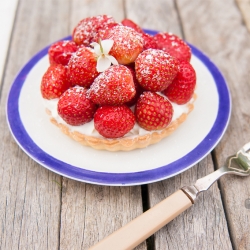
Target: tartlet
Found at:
118, 65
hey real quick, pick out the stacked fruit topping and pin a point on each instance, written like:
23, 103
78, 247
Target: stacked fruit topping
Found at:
109, 67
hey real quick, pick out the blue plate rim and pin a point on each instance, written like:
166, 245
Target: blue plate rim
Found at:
119, 179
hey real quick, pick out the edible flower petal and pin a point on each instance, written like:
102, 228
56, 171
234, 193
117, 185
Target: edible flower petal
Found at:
104, 60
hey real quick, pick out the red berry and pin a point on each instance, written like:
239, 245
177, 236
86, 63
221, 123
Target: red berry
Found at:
153, 112
82, 67
54, 82
114, 86
149, 42
182, 88
174, 45
60, 52
132, 24
138, 87
75, 108
102, 32
114, 121
155, 69
128, 43
87, 30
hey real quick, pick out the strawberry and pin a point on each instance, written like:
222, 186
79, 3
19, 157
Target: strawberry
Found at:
114, 121
128, 43
102, 32
132, 24
114, 86
75, 108
155, 69
174, 45
138, 87
60, 52
182, 88
149, 42
153, 112
82, 67
87, 29
54, 82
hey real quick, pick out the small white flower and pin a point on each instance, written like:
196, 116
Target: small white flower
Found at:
104, 60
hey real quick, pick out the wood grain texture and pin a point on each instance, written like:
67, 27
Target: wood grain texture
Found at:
244, 6
7, 16
41, 210
30, 198
216, 27
204, 225
160, 15
92, 212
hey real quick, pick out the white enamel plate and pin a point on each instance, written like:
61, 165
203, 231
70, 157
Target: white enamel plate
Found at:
47, 145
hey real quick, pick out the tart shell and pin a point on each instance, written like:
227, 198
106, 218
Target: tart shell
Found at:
123, 144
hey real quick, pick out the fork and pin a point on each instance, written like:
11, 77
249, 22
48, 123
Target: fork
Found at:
139, 229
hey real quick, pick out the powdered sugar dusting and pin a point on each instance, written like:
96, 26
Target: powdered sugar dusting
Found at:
87, 30
112, 87
127, 43
155, 69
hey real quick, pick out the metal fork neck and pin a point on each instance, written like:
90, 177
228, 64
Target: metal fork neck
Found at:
204, 183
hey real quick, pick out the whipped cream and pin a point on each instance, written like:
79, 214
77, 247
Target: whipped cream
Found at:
89, 129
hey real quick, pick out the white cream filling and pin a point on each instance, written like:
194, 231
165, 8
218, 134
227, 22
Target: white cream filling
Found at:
89, 129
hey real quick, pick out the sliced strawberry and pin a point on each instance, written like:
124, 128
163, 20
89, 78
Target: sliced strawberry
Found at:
129, 23
182, 88
75, 108
153, 112
82, 67
114, 121
54, 82
114, 86
174, 45
87, 30
60, 52
155, 69
128, 43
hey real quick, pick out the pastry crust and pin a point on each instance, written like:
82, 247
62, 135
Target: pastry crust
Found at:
123, 144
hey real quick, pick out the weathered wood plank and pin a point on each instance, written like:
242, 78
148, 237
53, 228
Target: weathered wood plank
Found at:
216, 27
30, 199
92, 212
204, 225
244, 6
156, 15
7, 15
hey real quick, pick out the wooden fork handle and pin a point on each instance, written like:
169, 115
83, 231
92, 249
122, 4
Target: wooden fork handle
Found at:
139, 229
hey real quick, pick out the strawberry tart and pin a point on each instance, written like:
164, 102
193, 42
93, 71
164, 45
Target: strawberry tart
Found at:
114, 87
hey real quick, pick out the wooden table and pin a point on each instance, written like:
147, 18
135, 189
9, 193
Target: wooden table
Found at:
42, 210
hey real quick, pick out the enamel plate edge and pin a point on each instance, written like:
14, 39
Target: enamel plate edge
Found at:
161, 172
